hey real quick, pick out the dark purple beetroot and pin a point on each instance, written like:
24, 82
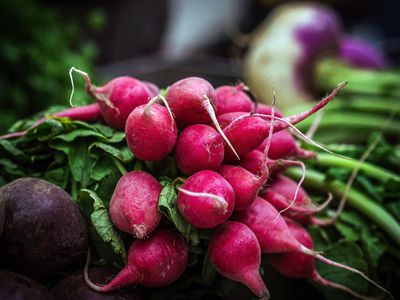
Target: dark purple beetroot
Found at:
44, 230
14, 286
74, 287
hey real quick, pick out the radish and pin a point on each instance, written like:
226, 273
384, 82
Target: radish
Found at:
280, 193
153, 88
226, 118
154, 262
151, 131
235, 253
232, 99
86, 113
206, 199
284, 145
265, 109
245, 184
117, 98
199, 147
299, 265
274, 235
247, 132
134, 204
192, 100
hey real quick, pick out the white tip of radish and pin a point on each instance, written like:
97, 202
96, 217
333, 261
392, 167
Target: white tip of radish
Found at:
92, 285
85, 76
219, 200
156, 99
208, 107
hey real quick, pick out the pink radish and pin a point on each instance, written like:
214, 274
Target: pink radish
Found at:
226, 118
154, 262
245, 184
151, 131
299, 265
235, 253
199, 147
232, 99
153, 89
280, 193
247, 132
117, 98
274, 235
86, 113
283, 145
134, 204
267, 110
206, 199
192, 100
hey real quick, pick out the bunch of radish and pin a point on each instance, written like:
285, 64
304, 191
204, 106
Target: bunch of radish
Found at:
231, 153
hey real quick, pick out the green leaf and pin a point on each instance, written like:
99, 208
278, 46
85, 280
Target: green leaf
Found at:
79, 133
167, 206
108, 241
80, 162
123, 154
12, 151
348, 232
374, 245
57, 176
347, 253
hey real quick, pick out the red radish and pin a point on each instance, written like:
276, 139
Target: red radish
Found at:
154, 262
225, 119
117, 98
86, 113
192, 100
153, 89
232, 99
284, 145
235, 253
134, 204
280, 193
274, 235
247, 132
267, 110
199, 147
299, 265
151, 131
245, 184
206, 199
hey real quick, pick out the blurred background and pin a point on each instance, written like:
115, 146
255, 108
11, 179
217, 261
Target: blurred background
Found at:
160, 41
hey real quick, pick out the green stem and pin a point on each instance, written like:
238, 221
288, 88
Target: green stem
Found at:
119, 165
357, 200
351, 120
74, 190
329, 72
325, 159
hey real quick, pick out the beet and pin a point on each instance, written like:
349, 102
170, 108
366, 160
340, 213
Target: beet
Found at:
14, 286
44, 230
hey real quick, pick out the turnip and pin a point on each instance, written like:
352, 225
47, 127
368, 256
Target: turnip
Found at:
247, 132
199, 147
245, 184
151, 131
206, 199
312, 31
232, 99
299, 265
192, 100
234, 251
274, 235
154, 262
117, 98
361, 54
134, 204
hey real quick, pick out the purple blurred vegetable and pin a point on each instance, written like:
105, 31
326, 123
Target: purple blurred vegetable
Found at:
362, 54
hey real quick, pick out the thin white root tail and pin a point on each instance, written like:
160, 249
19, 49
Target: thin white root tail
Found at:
221, 201
85, 76
208, 107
